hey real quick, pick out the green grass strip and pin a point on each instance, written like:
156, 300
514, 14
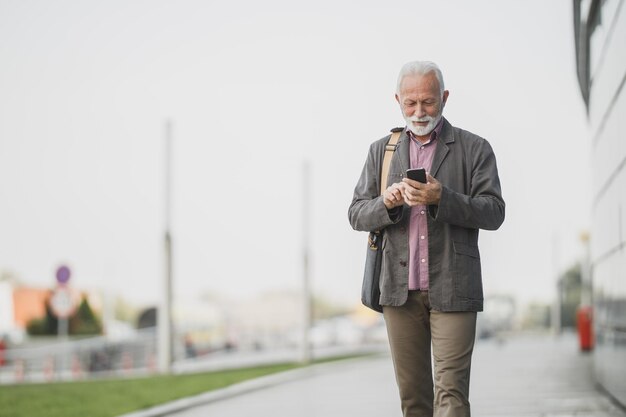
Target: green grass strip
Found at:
112, 397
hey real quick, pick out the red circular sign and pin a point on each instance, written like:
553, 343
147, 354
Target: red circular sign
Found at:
62, 302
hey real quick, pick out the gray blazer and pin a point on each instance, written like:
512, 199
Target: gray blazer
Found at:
471, 199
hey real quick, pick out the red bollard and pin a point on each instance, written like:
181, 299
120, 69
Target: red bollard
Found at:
77, 369
151, 363
19, 370
127, 362
3, 348
48, 369
584, 323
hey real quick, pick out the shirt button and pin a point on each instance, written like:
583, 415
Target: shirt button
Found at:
422, 237
423, 260
422, 212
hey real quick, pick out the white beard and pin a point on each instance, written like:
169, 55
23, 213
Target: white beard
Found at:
422, 130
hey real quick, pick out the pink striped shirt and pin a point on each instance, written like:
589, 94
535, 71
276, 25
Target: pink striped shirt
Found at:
421, 155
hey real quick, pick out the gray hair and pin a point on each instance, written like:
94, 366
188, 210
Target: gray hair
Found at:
420, 68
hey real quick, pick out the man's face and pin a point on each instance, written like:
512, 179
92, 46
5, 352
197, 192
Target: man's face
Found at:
421, 102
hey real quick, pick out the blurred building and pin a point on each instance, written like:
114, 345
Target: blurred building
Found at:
268, 320
600, 35
18, 306
214, 323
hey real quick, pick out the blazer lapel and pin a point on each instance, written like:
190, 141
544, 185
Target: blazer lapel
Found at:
402, 152
442, 147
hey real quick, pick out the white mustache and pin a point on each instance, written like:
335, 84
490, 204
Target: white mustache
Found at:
421, 119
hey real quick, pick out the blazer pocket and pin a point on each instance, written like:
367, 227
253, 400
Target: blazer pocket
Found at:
467, 273
465, 249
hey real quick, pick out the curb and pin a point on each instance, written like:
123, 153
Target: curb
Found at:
241, 388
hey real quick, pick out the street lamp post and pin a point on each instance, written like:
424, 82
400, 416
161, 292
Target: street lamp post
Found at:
556, 306
306, 284
164, 318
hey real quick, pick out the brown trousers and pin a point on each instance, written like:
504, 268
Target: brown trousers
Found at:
411, 329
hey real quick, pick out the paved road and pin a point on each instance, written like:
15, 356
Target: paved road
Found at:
529, 376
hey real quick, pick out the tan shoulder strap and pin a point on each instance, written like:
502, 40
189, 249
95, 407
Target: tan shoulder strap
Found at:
389, 150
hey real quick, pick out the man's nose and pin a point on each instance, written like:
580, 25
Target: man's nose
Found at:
419, 110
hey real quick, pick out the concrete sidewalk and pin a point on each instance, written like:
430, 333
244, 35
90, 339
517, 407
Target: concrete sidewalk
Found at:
524, 376
533, 376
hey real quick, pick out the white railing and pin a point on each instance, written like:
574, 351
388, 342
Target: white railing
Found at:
78, 359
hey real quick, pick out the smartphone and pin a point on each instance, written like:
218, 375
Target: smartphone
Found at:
417, 174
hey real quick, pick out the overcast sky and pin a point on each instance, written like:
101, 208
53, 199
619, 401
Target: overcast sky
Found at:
253, 89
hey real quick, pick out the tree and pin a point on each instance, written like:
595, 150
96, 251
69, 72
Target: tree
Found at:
570, 288
82, 322
45, 326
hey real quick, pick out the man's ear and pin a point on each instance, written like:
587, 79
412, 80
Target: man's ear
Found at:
397, 99
444, 99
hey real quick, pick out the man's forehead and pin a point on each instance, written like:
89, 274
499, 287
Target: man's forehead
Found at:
421, 81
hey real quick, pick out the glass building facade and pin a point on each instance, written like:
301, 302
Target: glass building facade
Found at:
600, 33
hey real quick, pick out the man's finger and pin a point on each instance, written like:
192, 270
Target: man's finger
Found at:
431, 179
413, 192
412, 183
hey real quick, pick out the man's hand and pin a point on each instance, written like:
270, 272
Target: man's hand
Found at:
415, 193
393, 197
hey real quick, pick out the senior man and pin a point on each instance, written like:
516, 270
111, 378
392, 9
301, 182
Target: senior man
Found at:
431, 284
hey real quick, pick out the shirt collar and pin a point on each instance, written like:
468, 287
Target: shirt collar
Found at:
433, 135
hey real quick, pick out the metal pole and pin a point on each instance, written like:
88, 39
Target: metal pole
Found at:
164, 319
585, 272
63, 328
556, 306
306, 290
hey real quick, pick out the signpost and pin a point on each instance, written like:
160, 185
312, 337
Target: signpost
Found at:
62, 301
63, 304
